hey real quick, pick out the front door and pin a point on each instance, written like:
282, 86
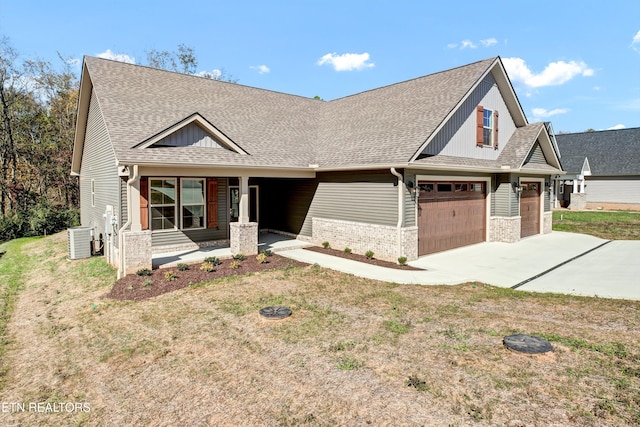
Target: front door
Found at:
234, 203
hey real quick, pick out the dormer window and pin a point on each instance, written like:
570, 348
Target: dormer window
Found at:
487, 127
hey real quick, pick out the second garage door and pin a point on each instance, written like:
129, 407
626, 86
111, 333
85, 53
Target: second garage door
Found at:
450, 215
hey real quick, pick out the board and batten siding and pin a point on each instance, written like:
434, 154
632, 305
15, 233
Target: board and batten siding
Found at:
458, 136
410, 204
98, 164
618, 189
536, 155
191, 135
181, 237
123, 200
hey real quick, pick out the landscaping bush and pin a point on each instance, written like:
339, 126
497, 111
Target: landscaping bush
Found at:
267, 252
261, 258
235, 264
402, 260
183, 267
347, 250
208, 266
325, 245
239, 257
144, 272
213, 260
369, 254
170, 276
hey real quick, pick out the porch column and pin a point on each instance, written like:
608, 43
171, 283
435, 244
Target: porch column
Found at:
575, 184
582, 185
244, 234
244, 200
136, 223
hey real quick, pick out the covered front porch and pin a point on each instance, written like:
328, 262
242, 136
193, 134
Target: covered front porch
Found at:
266, 241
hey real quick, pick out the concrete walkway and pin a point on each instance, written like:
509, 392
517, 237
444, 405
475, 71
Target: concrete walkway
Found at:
610, 270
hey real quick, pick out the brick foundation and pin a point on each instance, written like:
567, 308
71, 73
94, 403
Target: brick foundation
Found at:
137, 251
362, 237
504, 229
244, 238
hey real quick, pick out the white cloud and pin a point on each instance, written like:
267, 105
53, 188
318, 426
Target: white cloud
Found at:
107, 54
542, 113
262, 69
452, 45
556, 73
214, 74
488, 42
467, 43
635, 43
616, 127
347, 61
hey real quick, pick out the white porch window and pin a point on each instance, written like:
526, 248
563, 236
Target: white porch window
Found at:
162, 201
193, 203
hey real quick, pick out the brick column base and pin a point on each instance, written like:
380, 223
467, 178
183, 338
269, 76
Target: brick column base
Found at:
504, 229
548, 222
578, 201
137, 251
244, 238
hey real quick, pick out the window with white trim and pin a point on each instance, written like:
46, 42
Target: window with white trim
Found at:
162, 203
192, 196
487, 124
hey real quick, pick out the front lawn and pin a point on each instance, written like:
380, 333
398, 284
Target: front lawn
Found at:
354, 352
606, 225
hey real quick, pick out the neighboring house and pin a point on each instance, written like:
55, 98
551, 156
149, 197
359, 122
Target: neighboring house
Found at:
602, 169
170, 161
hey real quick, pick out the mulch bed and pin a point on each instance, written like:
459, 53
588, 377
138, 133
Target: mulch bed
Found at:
136, 288
361, 258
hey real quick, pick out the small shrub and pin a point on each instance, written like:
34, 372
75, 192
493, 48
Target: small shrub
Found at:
213, 260
235, 264
325, 245
369, 254
347, 250
208, 267
239, 257
147, 283
183, 267
267, 252
402, 260
261, 258
170, 276
143, 272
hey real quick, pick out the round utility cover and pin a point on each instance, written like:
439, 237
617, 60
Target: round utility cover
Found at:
527, 344
274, 313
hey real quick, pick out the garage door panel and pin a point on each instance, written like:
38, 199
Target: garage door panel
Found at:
450, 219
530, 209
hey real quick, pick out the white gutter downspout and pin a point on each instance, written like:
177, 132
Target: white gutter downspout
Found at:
130, 182
400, 210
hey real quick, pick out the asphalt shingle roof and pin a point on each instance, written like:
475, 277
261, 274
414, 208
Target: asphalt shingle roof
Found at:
381, 126
610, 152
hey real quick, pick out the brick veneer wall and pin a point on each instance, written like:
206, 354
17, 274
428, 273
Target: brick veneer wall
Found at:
547, 222
504, 229
362, 237
137, 251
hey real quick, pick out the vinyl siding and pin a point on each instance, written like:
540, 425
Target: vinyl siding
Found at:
458, 136
191, 135
123, 200
613, 189
178, 237
504, 201
536, 155
409, 204
98, 163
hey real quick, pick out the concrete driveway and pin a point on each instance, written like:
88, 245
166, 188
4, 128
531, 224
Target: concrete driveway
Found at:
567, 263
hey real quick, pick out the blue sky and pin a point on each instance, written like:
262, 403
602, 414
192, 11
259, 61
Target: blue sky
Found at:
574, 63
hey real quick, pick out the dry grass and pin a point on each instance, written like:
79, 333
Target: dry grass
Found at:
354, 352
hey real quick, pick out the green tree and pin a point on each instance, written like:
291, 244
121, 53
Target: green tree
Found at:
185, 61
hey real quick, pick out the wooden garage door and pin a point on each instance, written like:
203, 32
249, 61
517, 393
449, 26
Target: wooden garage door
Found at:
450, 215
530, 209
